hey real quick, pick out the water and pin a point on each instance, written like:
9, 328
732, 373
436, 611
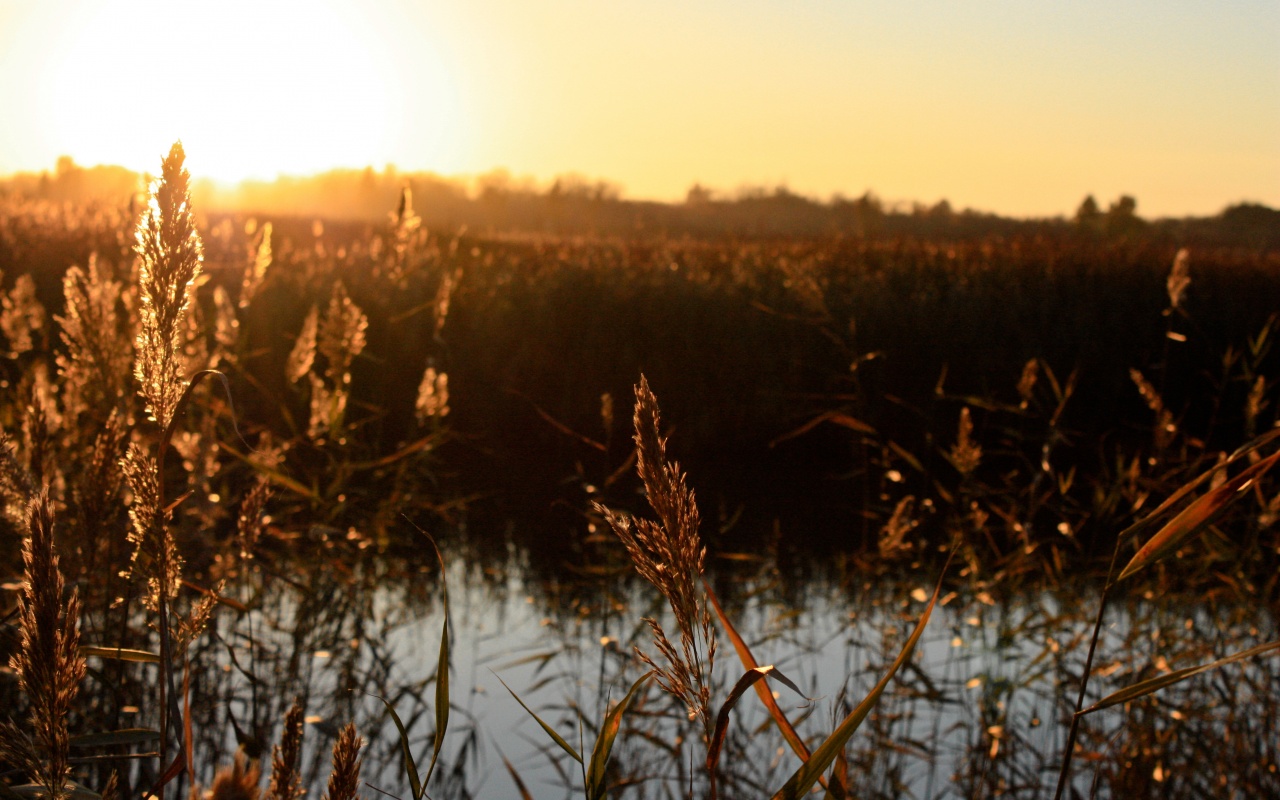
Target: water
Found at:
981, 710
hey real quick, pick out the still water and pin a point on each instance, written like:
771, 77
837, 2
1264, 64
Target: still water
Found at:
981, 710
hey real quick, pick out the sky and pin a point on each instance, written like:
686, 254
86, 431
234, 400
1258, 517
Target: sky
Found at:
1005, 106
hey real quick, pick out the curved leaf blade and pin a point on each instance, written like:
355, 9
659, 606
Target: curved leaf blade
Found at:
753, 677
749, 662
410, 768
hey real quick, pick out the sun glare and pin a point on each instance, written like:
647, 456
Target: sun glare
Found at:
252, 89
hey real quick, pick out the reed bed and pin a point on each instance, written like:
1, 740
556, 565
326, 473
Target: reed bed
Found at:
214, 430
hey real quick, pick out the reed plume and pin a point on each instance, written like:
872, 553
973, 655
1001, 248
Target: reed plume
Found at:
286, 782
250, 524
405, 227
15, 480
433, 395
1027, 383
966, 453
99, 350
226, 328
1179, 278
256, 270
345, 778
22, 317
1165, 425
170, 255
111, 789
340, 338
670, 555
303, 354
237, 782
155, 554
48, 662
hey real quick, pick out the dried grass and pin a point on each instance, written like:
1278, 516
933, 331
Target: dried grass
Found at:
170, 253
286, 781
345, 778
48, 661
670, 555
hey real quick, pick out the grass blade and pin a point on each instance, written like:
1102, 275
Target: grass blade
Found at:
604, 742
122, 654
749, 662
442, 667
1196, 517
410, 768
804, 778
1144, 688
555, 737
1187, 488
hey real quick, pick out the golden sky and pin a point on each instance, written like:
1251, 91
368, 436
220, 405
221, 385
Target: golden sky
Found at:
1016, 107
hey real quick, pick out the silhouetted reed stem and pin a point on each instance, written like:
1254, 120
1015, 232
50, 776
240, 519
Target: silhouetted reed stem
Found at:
1065, 772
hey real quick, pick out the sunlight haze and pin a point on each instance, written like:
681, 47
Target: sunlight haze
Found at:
1015, 108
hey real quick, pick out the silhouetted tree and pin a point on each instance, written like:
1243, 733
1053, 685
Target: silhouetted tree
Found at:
1089, 216
1122, 216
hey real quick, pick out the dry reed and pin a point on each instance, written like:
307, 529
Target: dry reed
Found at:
99, 350
433, 395
286, 781
239, 781
670, 555
22, 318
48, 661
345, 778
171, 253
966, 454
256, 271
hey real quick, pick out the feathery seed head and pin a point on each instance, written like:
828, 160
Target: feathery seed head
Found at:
669, 554
170, 254
345, 778
1179, 278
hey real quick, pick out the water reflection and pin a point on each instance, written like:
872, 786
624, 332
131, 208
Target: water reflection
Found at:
980, 711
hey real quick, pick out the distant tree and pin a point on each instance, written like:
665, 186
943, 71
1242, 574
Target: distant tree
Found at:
1253, 223
1122, 216
1088, 212
863, 216
698, 195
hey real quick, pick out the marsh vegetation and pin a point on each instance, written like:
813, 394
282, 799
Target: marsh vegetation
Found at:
967, 502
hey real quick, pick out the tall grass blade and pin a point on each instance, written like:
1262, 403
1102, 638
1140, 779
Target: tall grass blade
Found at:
555, 737
804, 778
1196, 517
122, 654
442, 666
604, 742
1190, 486
1144, 688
